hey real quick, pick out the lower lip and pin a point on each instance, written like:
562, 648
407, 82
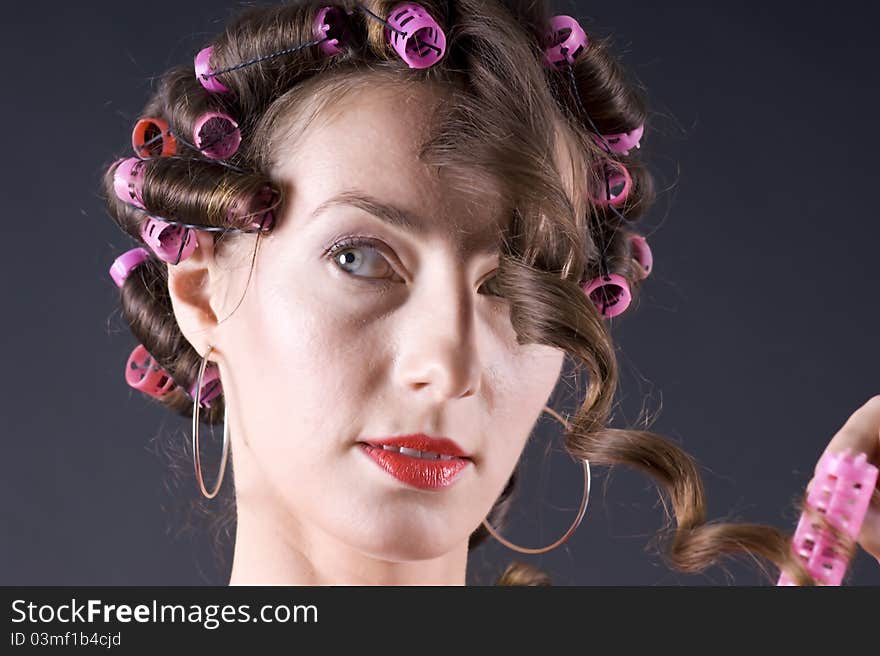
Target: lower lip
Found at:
417, 472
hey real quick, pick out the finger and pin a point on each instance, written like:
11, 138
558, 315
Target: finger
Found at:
860, 433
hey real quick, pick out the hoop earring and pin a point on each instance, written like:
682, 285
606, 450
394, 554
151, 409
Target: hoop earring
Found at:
577, 521
195, 433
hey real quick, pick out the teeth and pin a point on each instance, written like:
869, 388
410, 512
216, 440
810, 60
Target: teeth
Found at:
415, 453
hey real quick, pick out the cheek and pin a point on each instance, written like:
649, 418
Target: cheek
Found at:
518, 391
303, 366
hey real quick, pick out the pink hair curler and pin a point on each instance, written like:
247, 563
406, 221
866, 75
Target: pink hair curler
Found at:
841, 490
145, 375
641, 253
151, 138
609, 293
125, 263
618, 180
259, 210
216, 135
331, 24
128, 181
566, 40
204, 73
114, 164
171, 243
622, 142
422, 43
211, 386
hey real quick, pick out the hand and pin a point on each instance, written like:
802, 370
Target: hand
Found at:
861, 433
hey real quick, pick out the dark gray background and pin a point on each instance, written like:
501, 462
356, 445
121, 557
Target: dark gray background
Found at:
754, 340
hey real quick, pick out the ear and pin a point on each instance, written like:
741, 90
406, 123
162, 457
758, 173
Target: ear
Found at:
192, 287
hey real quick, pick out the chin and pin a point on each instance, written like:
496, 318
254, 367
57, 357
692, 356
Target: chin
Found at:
408, 541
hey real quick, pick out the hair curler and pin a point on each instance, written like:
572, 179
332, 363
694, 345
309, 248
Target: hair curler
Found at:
841, 490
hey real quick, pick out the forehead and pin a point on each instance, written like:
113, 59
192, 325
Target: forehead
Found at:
367, 143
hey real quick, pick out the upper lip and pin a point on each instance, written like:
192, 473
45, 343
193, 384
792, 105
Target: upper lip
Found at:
442, 445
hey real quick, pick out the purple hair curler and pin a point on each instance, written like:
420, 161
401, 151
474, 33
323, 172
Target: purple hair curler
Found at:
619, 183
203, 69
566, 40
622, 142
259, 210
331, 24
125, 263
128, 181
145, 375
841, 490
641, 252
114, 164
422, 43
610, 294
211, 386
171, 243
216, 135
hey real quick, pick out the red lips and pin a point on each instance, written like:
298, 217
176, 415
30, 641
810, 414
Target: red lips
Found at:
422, 473
442, 445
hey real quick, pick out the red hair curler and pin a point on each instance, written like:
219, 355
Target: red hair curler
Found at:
147, 131
145, 375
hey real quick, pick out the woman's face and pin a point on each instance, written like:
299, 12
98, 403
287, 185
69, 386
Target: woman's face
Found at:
399, 335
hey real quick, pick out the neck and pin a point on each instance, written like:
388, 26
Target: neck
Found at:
279, 551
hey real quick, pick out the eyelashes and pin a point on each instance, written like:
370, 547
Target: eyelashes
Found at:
359, 245
357, 252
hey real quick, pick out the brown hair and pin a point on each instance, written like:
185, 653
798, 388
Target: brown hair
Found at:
506, 112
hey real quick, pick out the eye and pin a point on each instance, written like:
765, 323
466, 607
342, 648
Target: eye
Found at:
360, 257
361, 254
492, 285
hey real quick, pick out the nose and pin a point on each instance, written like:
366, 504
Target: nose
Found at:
438, 352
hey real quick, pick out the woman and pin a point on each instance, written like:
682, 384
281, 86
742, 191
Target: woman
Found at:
374, 232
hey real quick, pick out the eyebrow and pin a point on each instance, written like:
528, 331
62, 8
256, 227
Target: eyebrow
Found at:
385, 211
394, 216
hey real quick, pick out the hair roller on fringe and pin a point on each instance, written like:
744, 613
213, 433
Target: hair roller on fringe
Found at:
211, 386
641, 253
196, 193
145, 375
170, 243
216, 135
331, 27
414, 34
256, 212
152, 138
610, 294
124, 264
